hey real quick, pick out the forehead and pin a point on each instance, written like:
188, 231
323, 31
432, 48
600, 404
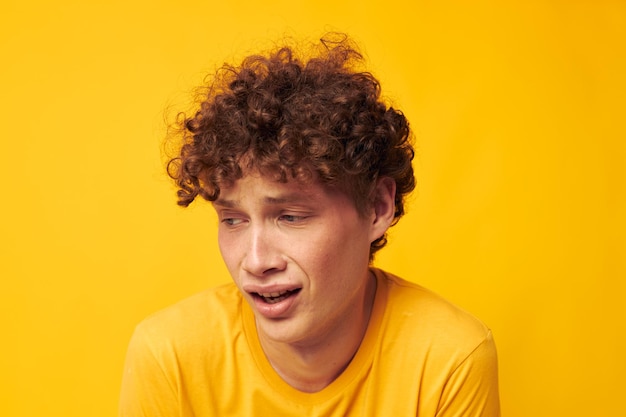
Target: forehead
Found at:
268, 190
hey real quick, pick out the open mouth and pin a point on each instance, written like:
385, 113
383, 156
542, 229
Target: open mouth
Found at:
276, 297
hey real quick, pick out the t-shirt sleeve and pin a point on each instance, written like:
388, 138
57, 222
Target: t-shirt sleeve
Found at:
472, 389
146, 389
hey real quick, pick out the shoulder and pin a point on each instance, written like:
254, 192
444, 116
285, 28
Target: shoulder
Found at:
199, 317
181, 346
418, 315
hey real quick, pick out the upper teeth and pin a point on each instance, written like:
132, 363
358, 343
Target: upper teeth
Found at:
273, 294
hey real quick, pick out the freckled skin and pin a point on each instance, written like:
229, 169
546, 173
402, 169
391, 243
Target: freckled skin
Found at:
308, 243
297, 236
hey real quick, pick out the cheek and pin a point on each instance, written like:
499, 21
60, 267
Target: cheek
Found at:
332, 250
228, 250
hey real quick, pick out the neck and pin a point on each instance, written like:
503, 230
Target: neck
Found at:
311, 367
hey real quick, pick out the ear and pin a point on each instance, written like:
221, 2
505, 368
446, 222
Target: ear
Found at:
384, 207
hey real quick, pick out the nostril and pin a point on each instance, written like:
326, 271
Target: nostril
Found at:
262, 257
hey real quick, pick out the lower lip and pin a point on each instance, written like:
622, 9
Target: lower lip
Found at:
276, 310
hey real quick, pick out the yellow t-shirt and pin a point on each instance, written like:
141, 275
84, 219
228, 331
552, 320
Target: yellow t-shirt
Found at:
421, 356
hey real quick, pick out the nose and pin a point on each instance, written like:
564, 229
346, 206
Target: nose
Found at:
263, 255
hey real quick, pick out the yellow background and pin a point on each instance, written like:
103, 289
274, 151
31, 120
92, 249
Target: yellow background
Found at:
518, 109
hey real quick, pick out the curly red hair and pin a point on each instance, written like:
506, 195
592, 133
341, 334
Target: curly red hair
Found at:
296, 119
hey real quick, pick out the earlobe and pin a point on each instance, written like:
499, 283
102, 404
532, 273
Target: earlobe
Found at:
384, 206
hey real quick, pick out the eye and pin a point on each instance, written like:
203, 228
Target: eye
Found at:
291, 218
232, 221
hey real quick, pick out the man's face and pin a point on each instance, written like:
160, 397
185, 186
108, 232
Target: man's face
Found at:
299, 254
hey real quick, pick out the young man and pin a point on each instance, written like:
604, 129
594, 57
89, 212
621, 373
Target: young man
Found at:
306, 168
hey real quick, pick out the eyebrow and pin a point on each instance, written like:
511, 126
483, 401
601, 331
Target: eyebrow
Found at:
284, 199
